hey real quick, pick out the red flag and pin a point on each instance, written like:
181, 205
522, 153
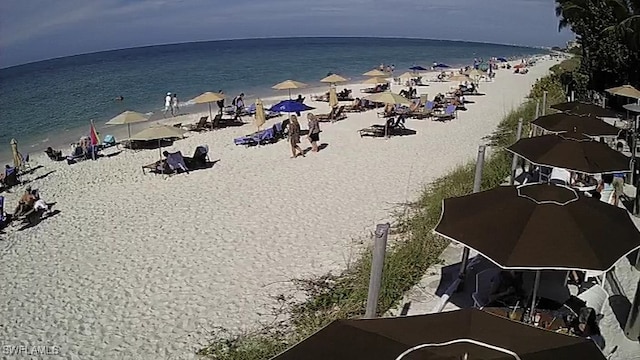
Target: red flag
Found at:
93, 135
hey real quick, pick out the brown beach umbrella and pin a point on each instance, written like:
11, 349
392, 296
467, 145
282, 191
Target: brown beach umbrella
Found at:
375, 72
128, 118
588, 157
17, 157
260, 116
440, 336
288, 85
580, 108
376, 80
388, 97
333, 78
539, 227
626, 91
333, 97
208, 98
588, 125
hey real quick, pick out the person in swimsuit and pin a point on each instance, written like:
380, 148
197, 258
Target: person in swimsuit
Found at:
314, 131
294, 137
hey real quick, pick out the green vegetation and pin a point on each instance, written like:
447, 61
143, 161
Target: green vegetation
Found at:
608, 32
413, 251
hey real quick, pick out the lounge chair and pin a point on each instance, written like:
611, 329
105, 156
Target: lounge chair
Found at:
448, 114
334, 115
54, 155
424, 113
200, 158
390, 128
267, 136
156, 167
5, 219
10, 177
176, 162
201, 125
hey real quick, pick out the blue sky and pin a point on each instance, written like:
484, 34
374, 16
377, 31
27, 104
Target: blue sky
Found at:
32, 30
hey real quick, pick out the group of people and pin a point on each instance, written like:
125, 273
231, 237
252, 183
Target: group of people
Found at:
171, 104
294, 134
609, 188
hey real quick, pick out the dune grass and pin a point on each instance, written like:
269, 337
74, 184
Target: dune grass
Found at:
414, 249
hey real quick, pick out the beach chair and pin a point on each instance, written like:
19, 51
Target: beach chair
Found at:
201, 125
595, 297
10, 177
176, 163
156, 167
448, 114
390, 128
333, 116
200, 158
5, 218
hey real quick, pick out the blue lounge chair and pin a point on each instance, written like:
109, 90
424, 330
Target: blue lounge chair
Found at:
4, 218
176, 162
449, 113
10, 177
262, 137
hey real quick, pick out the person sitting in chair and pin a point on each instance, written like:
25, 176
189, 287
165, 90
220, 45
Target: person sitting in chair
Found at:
25, 203
507, 288
300, 99
53, 154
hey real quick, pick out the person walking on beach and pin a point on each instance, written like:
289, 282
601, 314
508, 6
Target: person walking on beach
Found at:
314, 131
220, 102
174, 105
294, 137
167, 104
238, 102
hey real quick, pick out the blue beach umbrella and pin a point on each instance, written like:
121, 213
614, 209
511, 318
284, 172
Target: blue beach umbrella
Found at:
417, 68
440, 65
501, 59
290, 106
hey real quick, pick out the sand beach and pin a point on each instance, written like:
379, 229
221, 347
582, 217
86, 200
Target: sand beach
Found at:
144, 266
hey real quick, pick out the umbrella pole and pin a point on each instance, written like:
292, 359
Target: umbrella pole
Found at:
210, 115
536, 285
129, 128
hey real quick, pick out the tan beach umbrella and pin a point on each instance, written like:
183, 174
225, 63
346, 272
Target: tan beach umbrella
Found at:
409, 75
333, 97
388, 97
333, 78
288, 85
207, 98
376, 80
459, 77
375, 72
626, 91
260, 116
17, 158
159, 132
475, 74
128, 118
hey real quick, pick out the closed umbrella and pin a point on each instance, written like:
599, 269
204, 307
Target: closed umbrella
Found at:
580, 108
388, 97
333, 97
159, 132
17, 157
588, 125
128, 118
626, 91
333, 78
375, 72
588, 157
460, 334
208, 98
288, 85
260, 116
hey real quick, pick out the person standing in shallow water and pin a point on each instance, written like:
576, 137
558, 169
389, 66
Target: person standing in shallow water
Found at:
167, 104
294, 137
174, 105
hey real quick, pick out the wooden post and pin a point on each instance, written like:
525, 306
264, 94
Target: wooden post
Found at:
514, 162
477, 182
377, 264
544, 103
538, 108
632, 327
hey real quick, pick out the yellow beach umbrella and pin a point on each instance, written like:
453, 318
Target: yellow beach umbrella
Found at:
333, 97
260, 116
459, 77
17, 157
388, 97
207, 98
128, 118
288, 85
376, 80
626, 91
333, 78
409, 75
475, 73
375, 72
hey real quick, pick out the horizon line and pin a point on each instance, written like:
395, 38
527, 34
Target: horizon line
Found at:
272, 38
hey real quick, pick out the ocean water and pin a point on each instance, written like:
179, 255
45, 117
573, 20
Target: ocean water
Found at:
41, 102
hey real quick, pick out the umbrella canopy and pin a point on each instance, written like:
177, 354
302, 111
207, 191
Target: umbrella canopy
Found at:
127, 117
289, 85
589, 157
632, 107
475, 73
540, 227
376, 80
417, 68
459, 77
501, 59
208, 97
408, 74
260, 116
388, 97
333, 97
580, 108
375, 72
17, 158
333, 78
626, 91
290, 106
443, 66
589, 125
158, 132
451, 335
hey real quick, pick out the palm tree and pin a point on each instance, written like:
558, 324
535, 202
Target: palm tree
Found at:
627, 15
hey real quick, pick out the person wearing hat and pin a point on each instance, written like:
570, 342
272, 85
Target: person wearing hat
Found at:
167, 103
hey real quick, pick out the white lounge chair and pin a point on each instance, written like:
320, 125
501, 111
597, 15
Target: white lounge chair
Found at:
595, 297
